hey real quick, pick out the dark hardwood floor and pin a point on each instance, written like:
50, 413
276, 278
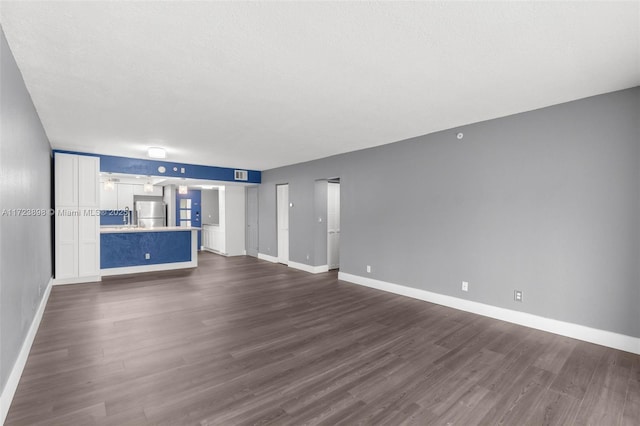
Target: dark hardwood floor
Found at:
243, 341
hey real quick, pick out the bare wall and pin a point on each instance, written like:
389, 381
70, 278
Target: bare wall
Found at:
547, 202
25, 183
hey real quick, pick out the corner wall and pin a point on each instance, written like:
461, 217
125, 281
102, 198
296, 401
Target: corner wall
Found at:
25, 240
547, 202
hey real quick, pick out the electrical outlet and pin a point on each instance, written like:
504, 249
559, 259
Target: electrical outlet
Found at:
517, 295
307, 257
465, 286
147, 256
368, 269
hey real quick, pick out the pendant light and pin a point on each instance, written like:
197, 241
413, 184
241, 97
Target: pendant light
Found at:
148, 187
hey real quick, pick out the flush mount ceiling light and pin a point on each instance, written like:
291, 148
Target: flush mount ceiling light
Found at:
155, 152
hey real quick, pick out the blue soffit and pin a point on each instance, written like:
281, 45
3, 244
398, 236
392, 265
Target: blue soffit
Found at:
138, 166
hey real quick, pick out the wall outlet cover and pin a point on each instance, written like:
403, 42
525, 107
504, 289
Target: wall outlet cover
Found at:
465, 286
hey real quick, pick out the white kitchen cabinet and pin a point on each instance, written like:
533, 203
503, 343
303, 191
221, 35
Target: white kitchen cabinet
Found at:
228, 236
66, 178
66, 227
139, 190
213, 238
108, 199
125, 196
77, 220
88, 181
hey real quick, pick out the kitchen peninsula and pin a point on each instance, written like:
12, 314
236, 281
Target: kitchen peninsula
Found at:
127, 250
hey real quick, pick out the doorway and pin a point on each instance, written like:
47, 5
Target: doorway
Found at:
188, 211
333, 224
252, 221
282, 213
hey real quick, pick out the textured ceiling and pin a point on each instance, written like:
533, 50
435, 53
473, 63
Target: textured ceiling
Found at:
260, 85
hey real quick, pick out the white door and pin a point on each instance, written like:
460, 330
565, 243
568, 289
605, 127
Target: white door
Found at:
333, 225
282, 207
88, 223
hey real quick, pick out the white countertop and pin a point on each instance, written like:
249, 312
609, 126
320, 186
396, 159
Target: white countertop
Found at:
121, 229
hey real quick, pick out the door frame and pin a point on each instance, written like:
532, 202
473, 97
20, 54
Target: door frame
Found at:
332, 181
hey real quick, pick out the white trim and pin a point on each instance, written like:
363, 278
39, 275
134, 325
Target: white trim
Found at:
320, 269
576, 331
148, 268
210, 250
268, 258
77, 280
308, 268
18, 367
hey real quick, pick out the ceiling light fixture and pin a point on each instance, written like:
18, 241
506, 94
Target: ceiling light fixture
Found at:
148, 187
109, 184
155, 152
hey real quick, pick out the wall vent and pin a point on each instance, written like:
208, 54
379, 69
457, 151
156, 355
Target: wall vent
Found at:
241, 175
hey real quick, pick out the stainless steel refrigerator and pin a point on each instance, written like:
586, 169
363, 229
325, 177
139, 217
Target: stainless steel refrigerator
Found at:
150, 214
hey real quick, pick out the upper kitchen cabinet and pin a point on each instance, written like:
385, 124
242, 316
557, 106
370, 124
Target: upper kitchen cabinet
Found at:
88, 181
122, 196
77, 180
66, 180
125, 196
108, 199
139, 190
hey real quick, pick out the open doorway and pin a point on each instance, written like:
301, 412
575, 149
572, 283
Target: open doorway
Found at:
333, 223
282, 213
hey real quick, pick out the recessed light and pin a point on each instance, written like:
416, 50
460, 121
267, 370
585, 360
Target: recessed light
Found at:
155, 152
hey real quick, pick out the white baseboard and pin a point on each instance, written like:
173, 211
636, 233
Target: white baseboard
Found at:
575, 331
18, 367
79, 280
148, 268
210, 250
268, 258
320, 269
309, 268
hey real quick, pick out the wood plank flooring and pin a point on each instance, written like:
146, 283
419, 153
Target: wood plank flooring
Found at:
242, 341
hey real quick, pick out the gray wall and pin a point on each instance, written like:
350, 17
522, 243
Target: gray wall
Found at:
25, 182
210, 207
546, 201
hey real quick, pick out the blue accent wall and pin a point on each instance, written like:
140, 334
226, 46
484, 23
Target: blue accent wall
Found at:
129, 248
112, 217
139, 166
